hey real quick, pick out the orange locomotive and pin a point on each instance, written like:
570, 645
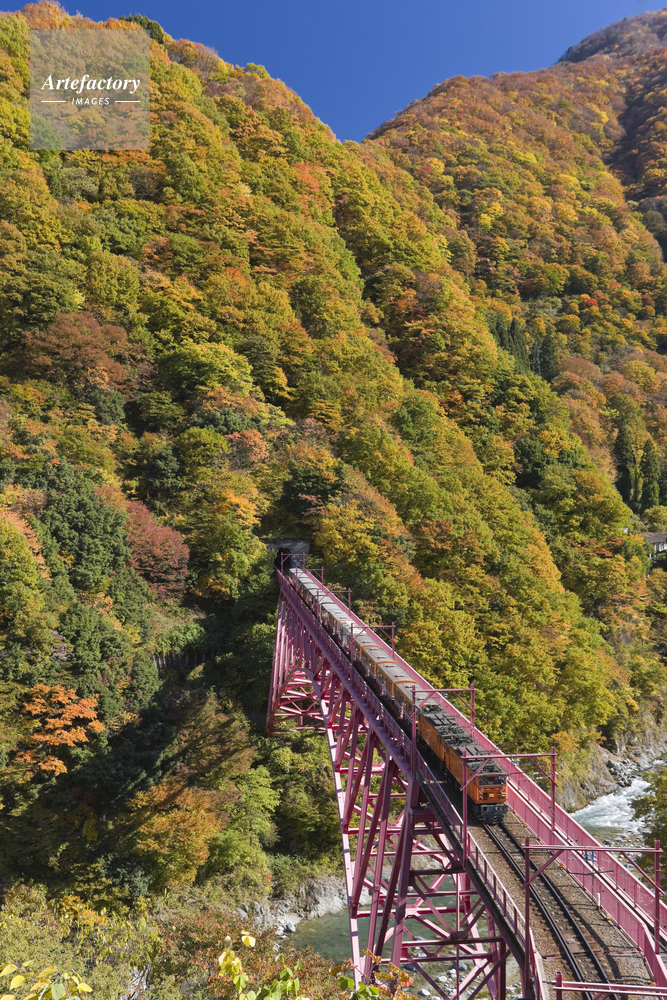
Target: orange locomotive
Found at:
487, 791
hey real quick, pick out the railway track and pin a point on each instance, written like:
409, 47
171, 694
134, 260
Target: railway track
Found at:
554, 909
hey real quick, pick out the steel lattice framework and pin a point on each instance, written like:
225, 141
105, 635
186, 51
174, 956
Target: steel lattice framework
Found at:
413, 870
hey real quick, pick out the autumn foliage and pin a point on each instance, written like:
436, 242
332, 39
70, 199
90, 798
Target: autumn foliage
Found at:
159, 553
439, 355
59, 721
76, 348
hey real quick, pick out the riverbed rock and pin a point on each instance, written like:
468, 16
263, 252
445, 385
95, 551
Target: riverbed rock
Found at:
321, 896
615, 767
317, 897
263, 916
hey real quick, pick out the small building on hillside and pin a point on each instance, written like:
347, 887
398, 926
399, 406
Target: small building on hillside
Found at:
657, 540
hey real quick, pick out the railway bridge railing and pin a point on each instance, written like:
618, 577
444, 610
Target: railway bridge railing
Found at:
436, 901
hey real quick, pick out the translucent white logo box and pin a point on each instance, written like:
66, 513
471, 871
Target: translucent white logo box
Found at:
90, 89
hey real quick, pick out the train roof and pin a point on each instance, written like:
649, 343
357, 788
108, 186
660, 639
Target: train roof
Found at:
422, 697
378, 655
322, 597
459, 739
365, 641
342, 622
341, 613
392, 670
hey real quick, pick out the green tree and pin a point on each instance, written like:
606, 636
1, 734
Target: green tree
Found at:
501, 333
549, 358
536, 357
625, 462
90, 534
26, 624
649, 468
652, 809
518, 347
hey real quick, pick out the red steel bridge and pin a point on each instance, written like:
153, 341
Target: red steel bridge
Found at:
437, 894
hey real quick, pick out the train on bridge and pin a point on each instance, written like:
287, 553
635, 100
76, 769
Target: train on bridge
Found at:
445, 738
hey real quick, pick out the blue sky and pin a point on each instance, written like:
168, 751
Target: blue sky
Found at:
358, 62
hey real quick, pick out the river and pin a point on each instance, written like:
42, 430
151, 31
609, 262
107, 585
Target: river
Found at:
608, 817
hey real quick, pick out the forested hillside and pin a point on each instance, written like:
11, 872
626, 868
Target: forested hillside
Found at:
441, 355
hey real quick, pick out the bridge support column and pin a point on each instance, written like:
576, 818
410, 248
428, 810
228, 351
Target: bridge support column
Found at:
291, 694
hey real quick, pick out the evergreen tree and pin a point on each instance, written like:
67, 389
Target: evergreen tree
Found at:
518, 347
502, 334
626, 461
549, 358
663, 484
649, 468
536, 357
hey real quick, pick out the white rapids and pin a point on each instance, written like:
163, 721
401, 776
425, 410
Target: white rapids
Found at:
610, 816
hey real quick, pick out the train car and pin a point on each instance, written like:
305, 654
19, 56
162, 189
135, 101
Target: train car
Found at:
403, 695
336, 622
364, 648
314, 596
341, 623
362, 643
331, 614
487, 791
305, 587
379, 661
389, 676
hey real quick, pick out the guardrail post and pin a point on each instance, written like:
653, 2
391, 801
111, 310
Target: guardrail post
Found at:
526, 970
553, 790
464, 789
559, 984
656, 877
413, 754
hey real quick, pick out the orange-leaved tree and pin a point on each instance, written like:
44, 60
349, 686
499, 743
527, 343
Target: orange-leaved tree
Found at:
59, 721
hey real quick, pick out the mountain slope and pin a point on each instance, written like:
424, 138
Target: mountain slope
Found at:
255, 331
